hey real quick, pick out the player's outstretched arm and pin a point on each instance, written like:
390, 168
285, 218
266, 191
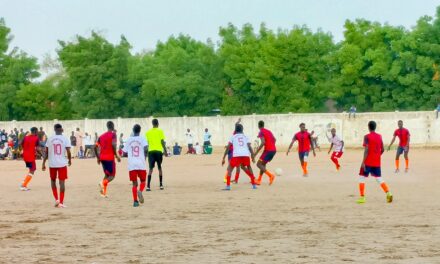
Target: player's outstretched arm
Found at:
69, 156
43, 167
392, 142
252, 152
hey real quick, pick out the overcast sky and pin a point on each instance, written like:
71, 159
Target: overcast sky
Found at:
38, 24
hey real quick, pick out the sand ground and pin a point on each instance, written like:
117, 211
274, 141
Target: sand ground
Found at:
297, 220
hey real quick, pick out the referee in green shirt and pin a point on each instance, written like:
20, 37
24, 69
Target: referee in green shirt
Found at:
156, 150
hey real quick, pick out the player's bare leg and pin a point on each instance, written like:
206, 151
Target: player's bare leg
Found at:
107, 179
237, 175
250, 173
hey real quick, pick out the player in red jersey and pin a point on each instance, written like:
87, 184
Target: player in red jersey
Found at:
373, 149
268, 142
30, 145
106, 156
57, 148
304, 144
404, 137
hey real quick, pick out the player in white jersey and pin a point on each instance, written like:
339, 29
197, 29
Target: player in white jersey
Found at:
338, 145
136, 148
57, 148
241, 156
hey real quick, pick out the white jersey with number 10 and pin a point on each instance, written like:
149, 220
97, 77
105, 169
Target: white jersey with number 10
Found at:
56, 146
134, 147
240, 145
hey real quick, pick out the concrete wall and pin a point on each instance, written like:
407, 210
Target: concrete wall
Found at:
423, 126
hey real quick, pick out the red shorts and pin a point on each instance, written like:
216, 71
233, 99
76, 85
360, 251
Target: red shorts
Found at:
237, 161
61, 172
134, 174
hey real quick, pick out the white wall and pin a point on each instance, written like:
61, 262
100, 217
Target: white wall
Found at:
423, 126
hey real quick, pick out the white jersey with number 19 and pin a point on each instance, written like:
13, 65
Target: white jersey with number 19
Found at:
56, 146
240, 145
134, 147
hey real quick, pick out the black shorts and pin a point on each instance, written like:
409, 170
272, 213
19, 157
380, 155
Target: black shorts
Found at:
207, 143
155, 157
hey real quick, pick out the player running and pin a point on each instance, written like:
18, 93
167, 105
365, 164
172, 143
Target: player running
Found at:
230, 150
371, 162
30, 145
304, 144
57, 147
404, 137
136, 148
268, 142
240, 156
156, 150
338, 145
106, 156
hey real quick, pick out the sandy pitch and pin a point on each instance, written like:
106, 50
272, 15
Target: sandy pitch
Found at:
297, 220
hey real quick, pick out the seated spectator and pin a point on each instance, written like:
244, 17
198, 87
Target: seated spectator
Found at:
198, 149
352, 111
4, 151
177, 149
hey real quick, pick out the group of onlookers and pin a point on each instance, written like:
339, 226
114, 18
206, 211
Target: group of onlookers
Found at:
197, 148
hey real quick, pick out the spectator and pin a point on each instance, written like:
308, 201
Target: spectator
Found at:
3, 136
79, 138
177, 149
206, 140
42, 137
198, 149
81, 152
437, 110
121, 141
352, 111
4, 151
73, 144
189, 141
314, 142
88, 145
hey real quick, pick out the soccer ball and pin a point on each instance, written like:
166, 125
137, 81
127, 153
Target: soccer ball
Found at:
279, 172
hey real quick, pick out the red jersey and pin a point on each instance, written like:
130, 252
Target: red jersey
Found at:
375, 149
30, 144
269, 139
403, 135
105, 143
303, 141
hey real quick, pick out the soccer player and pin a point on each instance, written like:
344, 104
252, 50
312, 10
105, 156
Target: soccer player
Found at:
241, 156
373, 149
57, 147
304, 144
156, 150
404, 137
338, 145
136, 148
30, 145
230, 150
268, 142
106, 156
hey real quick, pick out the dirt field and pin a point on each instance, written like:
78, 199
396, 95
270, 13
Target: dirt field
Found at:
297, 220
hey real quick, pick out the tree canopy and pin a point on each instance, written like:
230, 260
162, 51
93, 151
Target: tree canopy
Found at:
377, 67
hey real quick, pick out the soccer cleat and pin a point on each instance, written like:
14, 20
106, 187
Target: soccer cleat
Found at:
141, 197
234, 181
148, 189
254, 187
161, 187
397, 171
305, 175
389, 197
271, 179
338, 168
22, 188
406, 170
361, 200
225, 180
136, 204
61, 206
57, 203
257, 182
227, 188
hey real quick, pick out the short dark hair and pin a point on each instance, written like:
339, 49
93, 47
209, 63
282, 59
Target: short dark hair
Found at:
110, 125
260, 123
136, 129
57, 126
34, 129
302, 124
155, 122
372, 125
238, 128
